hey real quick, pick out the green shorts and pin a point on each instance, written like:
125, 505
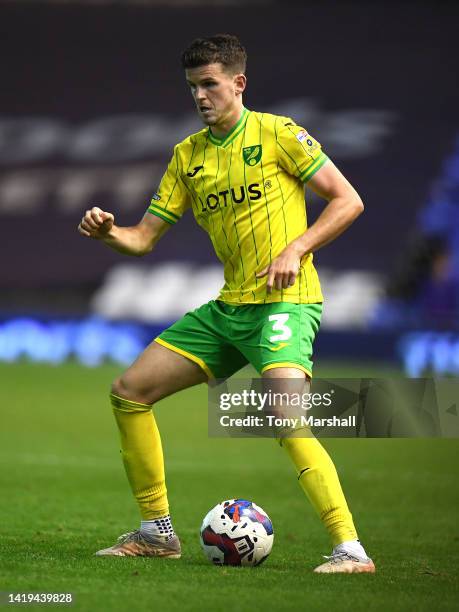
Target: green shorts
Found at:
223, 338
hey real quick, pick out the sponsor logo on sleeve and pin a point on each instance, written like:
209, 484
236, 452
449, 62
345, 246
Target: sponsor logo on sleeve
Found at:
302, 135
156, 196
309, 143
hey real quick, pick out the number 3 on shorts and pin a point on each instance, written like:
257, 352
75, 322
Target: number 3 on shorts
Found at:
280, 325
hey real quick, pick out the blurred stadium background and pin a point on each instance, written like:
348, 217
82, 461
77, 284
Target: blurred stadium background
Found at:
93, 100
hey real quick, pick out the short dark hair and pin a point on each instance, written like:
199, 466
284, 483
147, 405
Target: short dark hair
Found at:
225, 49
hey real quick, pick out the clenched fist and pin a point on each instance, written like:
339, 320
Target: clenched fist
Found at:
96, 223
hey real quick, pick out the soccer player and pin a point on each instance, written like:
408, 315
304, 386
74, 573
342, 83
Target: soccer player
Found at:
243, 177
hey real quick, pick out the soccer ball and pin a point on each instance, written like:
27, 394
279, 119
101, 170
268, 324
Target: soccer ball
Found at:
237, 532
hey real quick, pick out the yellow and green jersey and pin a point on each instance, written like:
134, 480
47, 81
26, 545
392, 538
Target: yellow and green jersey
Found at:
246, 191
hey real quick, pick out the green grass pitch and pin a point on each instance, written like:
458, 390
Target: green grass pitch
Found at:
64, 495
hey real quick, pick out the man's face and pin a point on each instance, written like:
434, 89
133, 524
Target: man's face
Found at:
215, 92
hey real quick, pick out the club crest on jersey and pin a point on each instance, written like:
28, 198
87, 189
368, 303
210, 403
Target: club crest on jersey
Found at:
252, 155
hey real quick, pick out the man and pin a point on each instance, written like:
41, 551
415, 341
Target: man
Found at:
243, 177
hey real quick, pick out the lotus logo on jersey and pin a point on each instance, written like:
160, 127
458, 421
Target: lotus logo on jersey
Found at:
236, 194
252, 155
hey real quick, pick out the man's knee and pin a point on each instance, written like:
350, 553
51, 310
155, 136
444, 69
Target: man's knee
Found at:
122, 388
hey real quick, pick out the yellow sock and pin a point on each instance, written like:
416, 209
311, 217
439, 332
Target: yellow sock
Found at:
319, 480
142, 456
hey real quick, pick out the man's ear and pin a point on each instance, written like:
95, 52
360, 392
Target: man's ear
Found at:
240, 82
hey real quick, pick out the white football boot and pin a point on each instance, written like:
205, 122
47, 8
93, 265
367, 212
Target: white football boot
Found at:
345, 563
347, 558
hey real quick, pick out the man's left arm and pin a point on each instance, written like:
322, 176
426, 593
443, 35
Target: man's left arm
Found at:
344, 206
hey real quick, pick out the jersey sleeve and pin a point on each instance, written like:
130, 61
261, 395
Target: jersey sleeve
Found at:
298, 152
171, 199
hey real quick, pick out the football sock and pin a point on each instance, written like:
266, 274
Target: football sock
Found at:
142, 454
158, 528
319, 480
353, 547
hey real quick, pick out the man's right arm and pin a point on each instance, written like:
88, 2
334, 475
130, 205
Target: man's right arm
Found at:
137, 240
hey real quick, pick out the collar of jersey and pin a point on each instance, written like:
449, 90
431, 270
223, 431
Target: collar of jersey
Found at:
233, 133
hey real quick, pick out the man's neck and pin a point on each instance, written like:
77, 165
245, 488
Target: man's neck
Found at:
222, 129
